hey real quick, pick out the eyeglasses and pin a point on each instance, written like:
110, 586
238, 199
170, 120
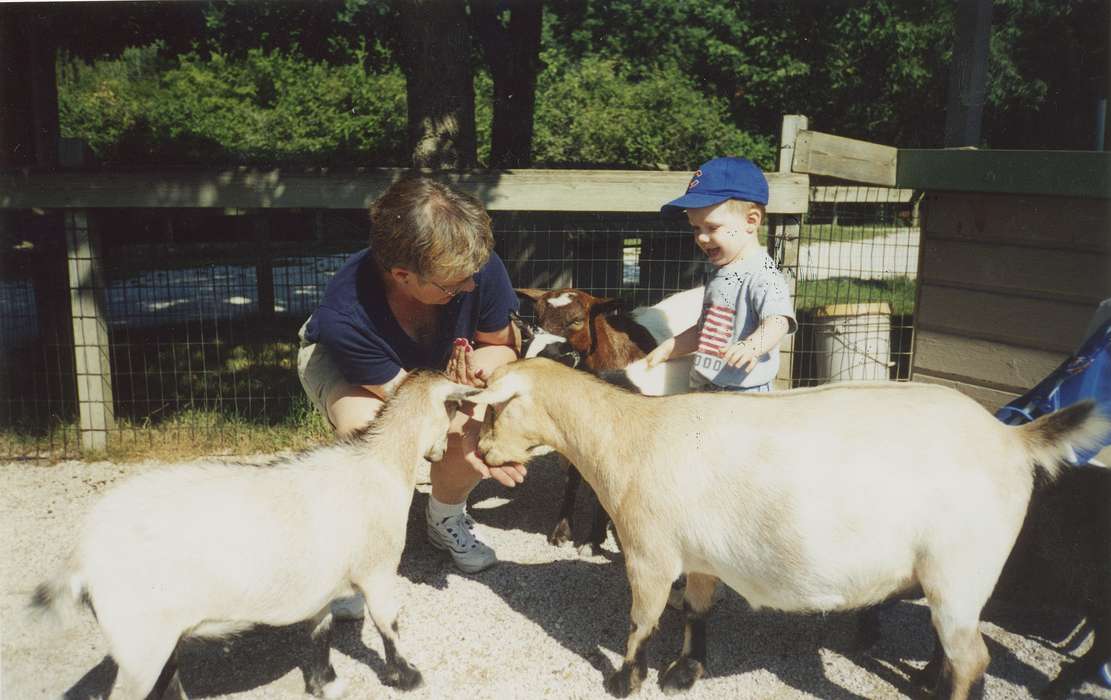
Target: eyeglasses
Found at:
453, 289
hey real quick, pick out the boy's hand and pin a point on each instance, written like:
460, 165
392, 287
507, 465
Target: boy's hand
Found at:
742, 354
661, 353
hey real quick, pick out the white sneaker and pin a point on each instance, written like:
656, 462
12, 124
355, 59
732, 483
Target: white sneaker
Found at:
456, 535
352, 607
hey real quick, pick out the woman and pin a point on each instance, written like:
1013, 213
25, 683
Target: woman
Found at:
428, 285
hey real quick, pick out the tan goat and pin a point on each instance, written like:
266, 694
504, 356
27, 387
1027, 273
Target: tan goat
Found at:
206, 549
823, 499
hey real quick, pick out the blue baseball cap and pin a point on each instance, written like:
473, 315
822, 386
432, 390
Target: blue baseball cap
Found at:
720, 179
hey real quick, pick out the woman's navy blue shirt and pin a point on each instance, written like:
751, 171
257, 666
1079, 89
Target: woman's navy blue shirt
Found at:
366, 342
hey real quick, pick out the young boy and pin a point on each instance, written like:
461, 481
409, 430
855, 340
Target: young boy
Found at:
747, 308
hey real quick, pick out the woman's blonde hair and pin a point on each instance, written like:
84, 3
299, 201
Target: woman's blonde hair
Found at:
426, 227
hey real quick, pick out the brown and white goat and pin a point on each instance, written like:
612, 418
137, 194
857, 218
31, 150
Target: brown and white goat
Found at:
603, 337
821, 499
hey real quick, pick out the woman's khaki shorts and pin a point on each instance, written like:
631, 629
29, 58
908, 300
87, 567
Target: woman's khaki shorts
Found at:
318, 373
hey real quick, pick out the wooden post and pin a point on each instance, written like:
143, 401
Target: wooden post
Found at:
90, 331
264, 268
783, 232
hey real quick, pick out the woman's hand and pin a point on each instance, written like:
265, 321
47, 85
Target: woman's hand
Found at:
461, 367
507, 474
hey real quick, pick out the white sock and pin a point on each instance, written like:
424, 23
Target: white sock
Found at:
437, 511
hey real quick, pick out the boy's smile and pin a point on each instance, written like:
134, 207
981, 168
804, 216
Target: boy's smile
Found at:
723, 233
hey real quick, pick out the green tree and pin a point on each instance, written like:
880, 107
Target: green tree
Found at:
592, 112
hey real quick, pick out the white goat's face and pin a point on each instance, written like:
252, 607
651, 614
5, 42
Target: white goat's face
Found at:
515, 426
440, 399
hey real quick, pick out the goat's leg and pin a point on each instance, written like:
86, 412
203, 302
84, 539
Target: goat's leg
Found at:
381, 600
168, 686
562, 532
927, 678
146, 659
598, 524
650, 584
691, 664
966, 655
320, 676
868, 627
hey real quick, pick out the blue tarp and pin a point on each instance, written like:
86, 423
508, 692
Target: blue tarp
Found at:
1085, 375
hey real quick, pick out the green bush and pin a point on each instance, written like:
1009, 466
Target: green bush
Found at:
267, 107
282, 107
593, 112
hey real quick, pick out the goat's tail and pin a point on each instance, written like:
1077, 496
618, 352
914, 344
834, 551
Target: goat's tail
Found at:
1052, 439
61, 596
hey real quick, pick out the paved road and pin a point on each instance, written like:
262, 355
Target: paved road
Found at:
882, 257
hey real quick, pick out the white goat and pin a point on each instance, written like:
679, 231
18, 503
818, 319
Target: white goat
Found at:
819, 499
206, 550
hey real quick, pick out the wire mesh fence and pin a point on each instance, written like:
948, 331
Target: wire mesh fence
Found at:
200, 309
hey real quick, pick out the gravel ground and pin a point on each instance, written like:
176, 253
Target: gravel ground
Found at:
545, 622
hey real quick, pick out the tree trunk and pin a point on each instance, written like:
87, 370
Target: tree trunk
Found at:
968, 74
513, 54
436, 59
28, 92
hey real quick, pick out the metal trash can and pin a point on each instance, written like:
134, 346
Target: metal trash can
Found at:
853, 342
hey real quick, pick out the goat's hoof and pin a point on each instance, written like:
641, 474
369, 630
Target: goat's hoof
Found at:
622, 683
589, 549
322, 683
403, 676
928, 678
333, 690
681, 675
561, 534
327, 687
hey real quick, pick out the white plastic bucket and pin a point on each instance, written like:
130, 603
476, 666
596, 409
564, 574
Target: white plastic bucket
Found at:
853, 342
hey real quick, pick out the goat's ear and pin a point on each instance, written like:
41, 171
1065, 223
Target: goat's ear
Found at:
604, 305
528, 293
497, 393
460, 392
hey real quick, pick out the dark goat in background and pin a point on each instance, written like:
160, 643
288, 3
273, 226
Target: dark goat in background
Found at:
601, 337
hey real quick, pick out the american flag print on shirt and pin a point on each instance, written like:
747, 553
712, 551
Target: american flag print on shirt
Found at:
717, 330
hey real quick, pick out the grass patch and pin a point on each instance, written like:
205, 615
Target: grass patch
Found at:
897, 291
186, 434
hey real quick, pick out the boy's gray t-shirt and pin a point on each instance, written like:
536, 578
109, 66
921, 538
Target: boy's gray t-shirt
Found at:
740, 295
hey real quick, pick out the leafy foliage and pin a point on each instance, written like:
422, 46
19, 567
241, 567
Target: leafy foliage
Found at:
624, 83
263, 107
594, 112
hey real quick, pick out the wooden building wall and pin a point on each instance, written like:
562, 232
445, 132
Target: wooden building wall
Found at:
1008, 285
